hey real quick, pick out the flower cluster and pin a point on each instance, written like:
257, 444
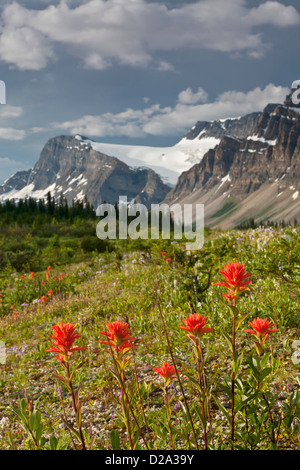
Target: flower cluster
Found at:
262, 327
236, 280
164, 254
167, 371
118, 336
64, 336
195, 325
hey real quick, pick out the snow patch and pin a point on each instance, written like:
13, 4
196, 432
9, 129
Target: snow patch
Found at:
261, 139
168, 162
28, 191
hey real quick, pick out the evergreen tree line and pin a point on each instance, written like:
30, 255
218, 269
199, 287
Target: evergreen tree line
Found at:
252, 224
31, 211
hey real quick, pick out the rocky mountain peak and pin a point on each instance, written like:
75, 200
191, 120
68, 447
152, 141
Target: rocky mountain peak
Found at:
254, 176
69, 166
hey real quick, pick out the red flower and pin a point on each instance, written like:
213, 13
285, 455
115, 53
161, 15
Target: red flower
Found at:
50, 293
49, 268
22, 277
32, 275
166, 371
261, 328
64, 335
163, 253
118, 335
236, 280
168, 260
194, 324
43, 298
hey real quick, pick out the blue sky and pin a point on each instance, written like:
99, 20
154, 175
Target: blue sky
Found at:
138, 72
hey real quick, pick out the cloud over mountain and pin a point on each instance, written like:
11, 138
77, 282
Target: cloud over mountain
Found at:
134, 33
189, 108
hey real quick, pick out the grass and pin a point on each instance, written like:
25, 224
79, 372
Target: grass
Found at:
227, 208
126, 285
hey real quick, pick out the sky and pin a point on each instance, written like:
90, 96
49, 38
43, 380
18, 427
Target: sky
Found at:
138, 72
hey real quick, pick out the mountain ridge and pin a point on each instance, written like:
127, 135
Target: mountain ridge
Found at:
239, 168
259, 174
69, 166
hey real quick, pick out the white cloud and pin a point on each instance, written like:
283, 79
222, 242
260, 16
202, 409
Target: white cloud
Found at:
133, 32
273, 13
156, 120
188, 97
25, 48
9, 111
9, 133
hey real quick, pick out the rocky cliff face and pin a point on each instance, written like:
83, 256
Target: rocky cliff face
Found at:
15, 182
70, 166
257, 175
239, 168
236, 127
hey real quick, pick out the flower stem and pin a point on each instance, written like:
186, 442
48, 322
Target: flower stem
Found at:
140, 396
169, 417
75, 406
202, 401
120, 378
176, 370
233, 383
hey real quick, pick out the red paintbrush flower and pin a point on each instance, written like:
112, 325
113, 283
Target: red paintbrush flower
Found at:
195, 324
64, 335
166, 371
236, 280
118, 334
163, 253
261, 328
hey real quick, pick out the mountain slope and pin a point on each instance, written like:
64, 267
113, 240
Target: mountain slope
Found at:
71, 167
239, 168
170, 162
61, 167
256, 176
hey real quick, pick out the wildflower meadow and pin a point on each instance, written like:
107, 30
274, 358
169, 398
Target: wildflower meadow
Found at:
150, 347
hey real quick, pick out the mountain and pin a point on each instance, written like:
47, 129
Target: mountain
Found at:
76, 166
170, 162
239, 168
251, 173
70, 166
